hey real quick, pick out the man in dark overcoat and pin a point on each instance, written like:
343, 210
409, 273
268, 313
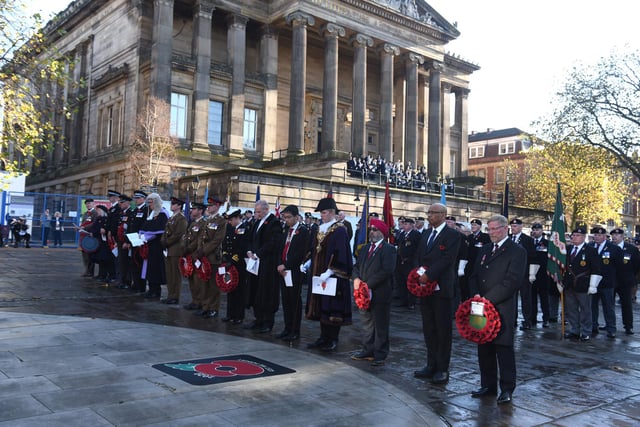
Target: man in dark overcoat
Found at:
498, 274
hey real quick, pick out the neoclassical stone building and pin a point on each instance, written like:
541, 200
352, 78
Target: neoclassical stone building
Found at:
258, 83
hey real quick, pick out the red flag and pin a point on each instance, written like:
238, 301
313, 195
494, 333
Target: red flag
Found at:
387, 213
278, 207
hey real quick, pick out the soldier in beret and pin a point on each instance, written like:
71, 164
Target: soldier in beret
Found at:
610, 256
407, 241
475, 241
540, 288
172, 241
626, 277
532, 269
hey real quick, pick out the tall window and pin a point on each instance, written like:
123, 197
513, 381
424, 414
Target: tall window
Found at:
109, 126
214, 129
250, 127
500, 175
475, 152
179, 115
507, 148
453, 171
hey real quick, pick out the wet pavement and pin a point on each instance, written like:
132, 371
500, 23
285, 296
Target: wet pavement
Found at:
559, 382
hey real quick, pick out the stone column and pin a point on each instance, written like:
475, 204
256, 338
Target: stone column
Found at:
331, 32
161, 49
434, 166
202, 49
299, 21
462, 126
412, 61
236, 47
387, 52
446, 130
269, 69
399, 95
359, 102
75, 145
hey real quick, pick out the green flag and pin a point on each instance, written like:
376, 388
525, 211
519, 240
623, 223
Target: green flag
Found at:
557, 255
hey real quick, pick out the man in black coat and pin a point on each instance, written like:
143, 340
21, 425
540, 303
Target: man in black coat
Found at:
497, 275
627, 277
375, 267
263, 243
610, 256
408, 241
475, 241
293, 249
540, 287
438, 253
526, 242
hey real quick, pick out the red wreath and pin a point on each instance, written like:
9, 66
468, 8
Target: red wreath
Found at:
228, 282
121, 233
474, 333
361, 295
143, 251
186, 266
420, 289
204, 271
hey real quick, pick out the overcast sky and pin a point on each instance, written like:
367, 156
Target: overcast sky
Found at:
524, 49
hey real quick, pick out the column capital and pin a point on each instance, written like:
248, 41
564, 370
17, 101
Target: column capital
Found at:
389, 49
434, 66
300, 18
163, 2
446, 87
269, 31
237, 21
361, 40
414, 58
332, 30
204, 8
461, 91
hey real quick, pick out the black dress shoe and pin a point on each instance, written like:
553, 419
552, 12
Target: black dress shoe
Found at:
571, 335
595, 331
191, 306
169, 301
484, 391
291, 337
628, 331
265, 329
545, 324
361, 355
330, 346
150, 295
505, 397
251, 325
283, 334
440, 378
584, 337
210, 314
378, 362
525, 326
124, 286
237, 321
317, 343
426, 372
611, 334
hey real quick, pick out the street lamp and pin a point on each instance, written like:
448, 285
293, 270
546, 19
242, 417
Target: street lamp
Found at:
196, 185
357, 202
467, 213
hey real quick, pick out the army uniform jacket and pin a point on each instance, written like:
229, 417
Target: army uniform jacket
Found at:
173, 233
580, 268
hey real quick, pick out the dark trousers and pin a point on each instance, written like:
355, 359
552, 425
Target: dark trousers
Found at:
606, 296
375, 325
291, 306
401, 291
88, 264
436, 327
45, 237
525, 302
57, 238
624, 292
540, 289
236, 300
267, 297
124, 262
329, 333
490, 358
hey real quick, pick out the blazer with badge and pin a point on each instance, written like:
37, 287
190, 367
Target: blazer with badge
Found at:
235, 245
527, 243
498, 277
542, 250
611, 259
475, 242
212, 236
630, 265
408, 248
580, 268
297, 253
377, 271
441, 258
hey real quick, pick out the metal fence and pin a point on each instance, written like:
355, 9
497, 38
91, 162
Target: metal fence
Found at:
33, 205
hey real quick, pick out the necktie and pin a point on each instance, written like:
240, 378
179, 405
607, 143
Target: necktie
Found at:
574, 252
286, 245
495, 248
371, 249
432, 238
513, 237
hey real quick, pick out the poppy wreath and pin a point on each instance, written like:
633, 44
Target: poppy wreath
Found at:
204, 271
480, 330
121, 233
361, 296
143, 251
228, 282
186, 266
420, 289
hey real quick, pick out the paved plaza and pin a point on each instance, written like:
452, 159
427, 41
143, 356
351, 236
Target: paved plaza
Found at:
74, 351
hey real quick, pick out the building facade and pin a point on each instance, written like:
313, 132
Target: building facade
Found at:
253, 81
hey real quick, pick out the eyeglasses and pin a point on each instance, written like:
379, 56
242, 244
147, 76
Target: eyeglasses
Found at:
373, 229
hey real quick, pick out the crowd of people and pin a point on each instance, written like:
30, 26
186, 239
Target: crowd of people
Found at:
397, 173
263, 262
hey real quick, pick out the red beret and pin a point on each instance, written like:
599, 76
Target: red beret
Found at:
380, 225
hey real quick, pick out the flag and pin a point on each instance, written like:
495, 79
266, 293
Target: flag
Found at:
443, 197
278, 207
258, 192
557, 252
330, 193
187, 207
206, 193
505, 200
387, 213
362, 237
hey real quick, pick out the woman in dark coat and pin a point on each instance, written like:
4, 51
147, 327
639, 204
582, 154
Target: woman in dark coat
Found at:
151, 231
103, 256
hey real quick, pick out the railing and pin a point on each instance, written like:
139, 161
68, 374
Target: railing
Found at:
416, 184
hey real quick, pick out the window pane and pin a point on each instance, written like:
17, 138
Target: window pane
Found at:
214, 129
250, 118
178, 115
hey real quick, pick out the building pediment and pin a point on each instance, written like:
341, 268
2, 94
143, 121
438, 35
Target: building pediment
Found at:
420, 11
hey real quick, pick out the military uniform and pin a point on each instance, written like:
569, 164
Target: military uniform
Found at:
234, 249
124, 254
210, 245
627, 279
172, 240
137, 218
406, 260
540, 288
610, 256
475, 242
191, 238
